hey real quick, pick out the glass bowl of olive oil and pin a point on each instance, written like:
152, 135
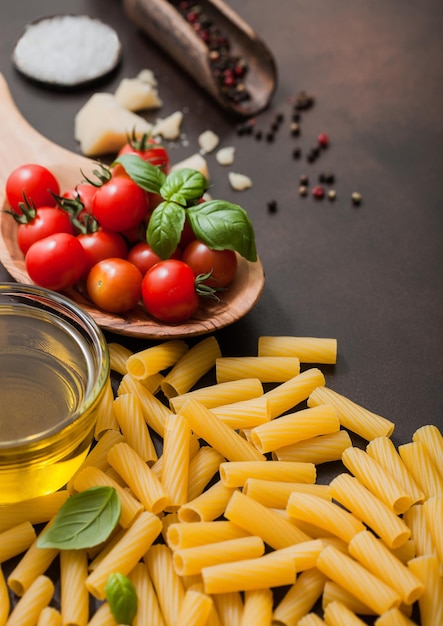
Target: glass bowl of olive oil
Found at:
54, 365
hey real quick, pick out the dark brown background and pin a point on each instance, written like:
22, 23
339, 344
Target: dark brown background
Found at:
371, 276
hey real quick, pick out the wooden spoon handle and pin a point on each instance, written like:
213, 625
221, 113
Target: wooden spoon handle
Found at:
165, 25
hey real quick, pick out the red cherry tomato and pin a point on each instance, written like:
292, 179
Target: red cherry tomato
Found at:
56, 262
102, 244
144, 257
120, 204
47, 221
114, 285
35, 182
148, 150
222, 264
84, 193
168, 291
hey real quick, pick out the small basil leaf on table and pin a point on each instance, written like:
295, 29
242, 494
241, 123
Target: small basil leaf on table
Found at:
84, 520
122, 598
165, 228
223, 225
147, 176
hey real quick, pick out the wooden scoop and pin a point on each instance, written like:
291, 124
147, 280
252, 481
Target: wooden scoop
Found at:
166, 26
20, 144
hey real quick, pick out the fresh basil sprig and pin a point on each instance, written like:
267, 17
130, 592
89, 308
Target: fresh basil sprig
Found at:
218, 223
84, 520
122, 598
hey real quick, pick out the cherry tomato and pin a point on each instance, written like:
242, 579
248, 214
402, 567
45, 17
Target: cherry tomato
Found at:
120, 204
35, 182
114, 285
47, 221
148, 150
102, 244
144, 257
187, 235
221, 263
56, 262
168, 291
84, 193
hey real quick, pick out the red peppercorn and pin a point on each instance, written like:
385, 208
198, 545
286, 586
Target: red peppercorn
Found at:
323, 140
318, 192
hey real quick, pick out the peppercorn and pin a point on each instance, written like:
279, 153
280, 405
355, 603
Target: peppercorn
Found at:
304, 180
258, 134
318, 192
296, 153
270, 137
303, 190
356, 198
272, 206
323, 140
332, 194
295, 128
313, 154
326, 177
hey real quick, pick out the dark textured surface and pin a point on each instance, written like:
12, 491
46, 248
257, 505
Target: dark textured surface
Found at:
372, 275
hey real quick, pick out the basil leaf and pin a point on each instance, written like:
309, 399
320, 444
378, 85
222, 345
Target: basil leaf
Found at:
146, 175
165, 228
223, 225
84, 520
122, 598
183, 185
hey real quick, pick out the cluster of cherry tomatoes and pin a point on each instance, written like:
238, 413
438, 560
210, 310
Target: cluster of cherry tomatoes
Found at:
93, 236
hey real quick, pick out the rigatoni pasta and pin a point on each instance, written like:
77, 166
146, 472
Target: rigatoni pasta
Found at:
275, 494
338, 614
33, 601
287, 395
129, 414
74, 594
220, 394
175, 471
300, 598
257, 608
167, 583
432, 439
148, 610
235, 473
307, 349
4, 599
154, 359
268, 369
419, 463
16, 540
318, 449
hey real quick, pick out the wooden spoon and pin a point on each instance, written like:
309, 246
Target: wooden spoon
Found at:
21, 144
164, 24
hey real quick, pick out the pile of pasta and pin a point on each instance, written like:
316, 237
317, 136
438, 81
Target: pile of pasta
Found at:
225, 524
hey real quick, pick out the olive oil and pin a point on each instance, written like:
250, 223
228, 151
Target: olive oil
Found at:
48, 372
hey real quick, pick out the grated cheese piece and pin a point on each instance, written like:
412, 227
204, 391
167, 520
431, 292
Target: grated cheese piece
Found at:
136, 95
239, 182
208, 141
225, 156
169, 128
194, 162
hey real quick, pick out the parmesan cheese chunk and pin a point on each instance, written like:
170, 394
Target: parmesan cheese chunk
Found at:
194, 162
208, 141
239, 182
102, 125
136, 95
225, 156
169, 128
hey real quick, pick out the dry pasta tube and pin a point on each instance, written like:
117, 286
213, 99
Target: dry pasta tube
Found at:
208, 506
426, 568
319, 449
139, 477
295, 390
324, 514
98, 456
378, 559
154, 411
375, 478
33, 563
129, 413
195, 609
393, 617
433, 509
294, 427
227, 441
74, 595
189, 561
152, 384
432, 439
333, 592
235, 474
167, 584
268, 369
49, 617
191, 534
175, 471
4, 600
135, 542
106, 419
419, 463
92, 477
118, 355
257, 519
311, 619
16, 540
307, 349
30, 605
228, 608
353, 416
383, 450
300, 598
259, 573
305, 553
356, 579
257, 608
36, 511
145, 363
202, 467
415, 518
275, 494
148, 611
244, 414
338, 614
194, 364
365, 506
103, 617
220, 394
